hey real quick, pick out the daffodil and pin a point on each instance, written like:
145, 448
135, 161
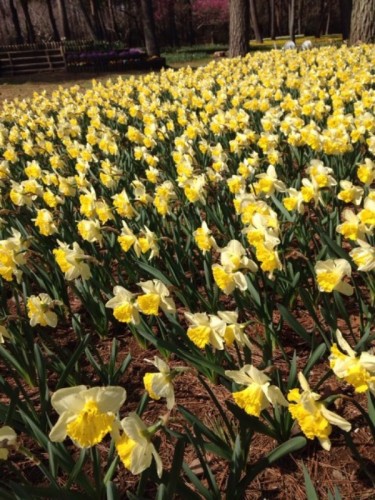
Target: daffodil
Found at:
86, 415
204, 239
123, 305
206, 329
159, 385
358, 371
363, 257
233, 257
259, 394
330, 274
227, 280
312, 415
40, 310
72, 261
8, 441
134, 445
44, 222
156, 296
4, 333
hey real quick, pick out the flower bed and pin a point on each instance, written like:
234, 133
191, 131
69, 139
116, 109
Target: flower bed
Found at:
224, 220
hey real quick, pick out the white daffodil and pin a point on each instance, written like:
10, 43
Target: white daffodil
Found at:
8, 441
363, 257
234, 331
233, 257
159, 385
40, 310
330, 273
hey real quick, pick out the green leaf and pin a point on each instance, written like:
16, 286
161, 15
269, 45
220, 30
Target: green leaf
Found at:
314, 358
225, 451
294, 324
371, 406
310, 490
290, 446
76, 355
175, 471
250, 422
156, 273
112, 491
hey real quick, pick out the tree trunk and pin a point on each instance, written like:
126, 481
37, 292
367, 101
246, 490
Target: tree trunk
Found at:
55, 31
239, 28
254, 22
148, 23
16, 22
88, 19
112, 20
300, 28
64, 19
97, 20
291, 25
346, 12
188, 16
28, 23
271, 5
171, 23
362, 27
328, 19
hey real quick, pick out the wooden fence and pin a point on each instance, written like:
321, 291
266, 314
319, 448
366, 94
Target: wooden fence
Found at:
72, 56
32, 58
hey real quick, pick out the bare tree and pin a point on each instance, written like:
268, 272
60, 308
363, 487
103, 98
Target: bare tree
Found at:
152, 47
362, 26
239, 28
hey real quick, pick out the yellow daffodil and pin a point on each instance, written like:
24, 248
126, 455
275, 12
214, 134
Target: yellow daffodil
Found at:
123, 305
72, 261
259, 393
227, 280
206, 329
134, 445
90, 230
156, 296
204, 239
312, 416
85, 415
358, 371
44, 222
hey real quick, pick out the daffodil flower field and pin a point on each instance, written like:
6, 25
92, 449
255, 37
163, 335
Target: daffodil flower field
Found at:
223, 218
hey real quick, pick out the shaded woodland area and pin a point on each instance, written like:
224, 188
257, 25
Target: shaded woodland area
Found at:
176, 22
